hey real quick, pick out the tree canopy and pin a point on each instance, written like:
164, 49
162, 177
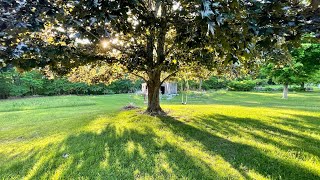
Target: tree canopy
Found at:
309, 56
149, 37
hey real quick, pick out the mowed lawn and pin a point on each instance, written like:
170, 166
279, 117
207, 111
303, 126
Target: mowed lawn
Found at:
218, 135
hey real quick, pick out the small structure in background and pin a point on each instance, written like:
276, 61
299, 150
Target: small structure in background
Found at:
167, 88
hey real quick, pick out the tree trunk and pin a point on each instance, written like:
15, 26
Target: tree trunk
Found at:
302, 86
285, 91
154, 74
187, 90
200, 85
181, 90
154, 84
314, 4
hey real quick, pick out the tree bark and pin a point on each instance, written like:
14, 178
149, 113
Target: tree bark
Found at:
200, 85
285, 91
314, 4
181, 90
302, 86
187, 90
154, 84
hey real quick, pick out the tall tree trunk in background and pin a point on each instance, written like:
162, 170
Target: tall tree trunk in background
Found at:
184, 91
302, 86
32, 90
187, 90
154, 84
200, 85
315, 4
285, 91
181, 91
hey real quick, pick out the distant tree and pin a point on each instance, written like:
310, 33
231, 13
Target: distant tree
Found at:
285, 74
5, 85
33, 80
200, 74
309, 56
315, 78
96, 73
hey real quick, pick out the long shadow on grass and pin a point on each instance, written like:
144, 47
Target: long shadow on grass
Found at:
128, 153
19, 166
240, 156
235, 126
303, 123
114, 154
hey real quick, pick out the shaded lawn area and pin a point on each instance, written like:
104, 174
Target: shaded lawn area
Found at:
219, 135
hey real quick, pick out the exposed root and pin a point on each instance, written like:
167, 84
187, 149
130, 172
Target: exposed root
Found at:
130, 106
158, 112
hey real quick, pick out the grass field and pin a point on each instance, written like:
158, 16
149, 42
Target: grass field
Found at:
219, 135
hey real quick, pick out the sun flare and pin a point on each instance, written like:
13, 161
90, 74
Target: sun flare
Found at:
104, 44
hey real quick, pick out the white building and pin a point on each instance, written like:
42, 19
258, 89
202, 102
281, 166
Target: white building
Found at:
166, 88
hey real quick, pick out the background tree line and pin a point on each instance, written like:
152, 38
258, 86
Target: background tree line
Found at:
13, 83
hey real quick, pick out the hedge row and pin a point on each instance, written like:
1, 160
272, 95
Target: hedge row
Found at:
34, 83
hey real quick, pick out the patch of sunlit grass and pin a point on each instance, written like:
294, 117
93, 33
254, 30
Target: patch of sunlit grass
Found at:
220, 135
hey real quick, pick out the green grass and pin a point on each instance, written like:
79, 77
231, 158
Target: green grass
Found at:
219, 135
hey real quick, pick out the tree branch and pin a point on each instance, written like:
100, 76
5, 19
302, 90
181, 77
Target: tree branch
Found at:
143, 5
169, 76
145, 80
170, 49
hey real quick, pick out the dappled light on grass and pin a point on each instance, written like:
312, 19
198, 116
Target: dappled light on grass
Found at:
285, 144
210, 141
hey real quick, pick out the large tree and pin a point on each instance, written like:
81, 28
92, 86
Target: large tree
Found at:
148, 37
285, 74
308, 55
